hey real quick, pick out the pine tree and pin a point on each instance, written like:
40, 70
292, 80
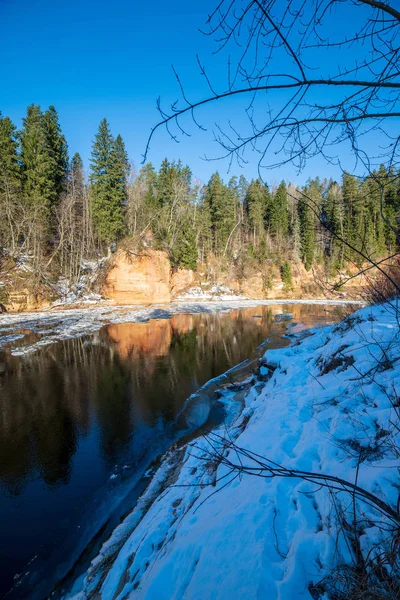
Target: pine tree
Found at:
106, 200
9, 184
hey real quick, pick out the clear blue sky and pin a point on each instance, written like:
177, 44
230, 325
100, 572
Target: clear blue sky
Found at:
98, 58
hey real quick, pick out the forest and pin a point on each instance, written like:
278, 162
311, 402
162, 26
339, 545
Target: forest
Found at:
58, 216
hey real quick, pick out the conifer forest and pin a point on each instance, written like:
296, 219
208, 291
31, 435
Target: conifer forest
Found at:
59, 213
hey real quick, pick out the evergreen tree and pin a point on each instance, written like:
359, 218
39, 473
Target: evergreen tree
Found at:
120, 169
37, 168
148, 178
372, 225
222, 212
164, 182
184, 253
76, 180
107, 203
205, 227
332, 215
278, 213
9, 184
306, 206
286, 276
391, 207
353, 228
257, 203
57, 150
294, 222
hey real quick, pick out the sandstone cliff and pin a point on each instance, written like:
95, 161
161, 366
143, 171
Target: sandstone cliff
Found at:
138, 278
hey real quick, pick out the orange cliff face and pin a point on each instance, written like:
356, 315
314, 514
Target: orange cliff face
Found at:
139, 278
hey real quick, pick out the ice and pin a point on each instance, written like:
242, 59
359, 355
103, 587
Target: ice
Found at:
55, 324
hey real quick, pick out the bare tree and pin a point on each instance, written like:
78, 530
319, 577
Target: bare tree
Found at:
282, 58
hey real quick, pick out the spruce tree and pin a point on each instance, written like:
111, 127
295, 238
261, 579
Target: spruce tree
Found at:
353, 204
107, 203
120, 169
333, 217
205, 227
306, 206
184, 253
391, 208
222, 212
278, 213
37, 168
58, 151
165, 182
76, 182
9, 184
257, 203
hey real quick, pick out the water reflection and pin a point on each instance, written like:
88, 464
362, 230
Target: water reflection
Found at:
74, 410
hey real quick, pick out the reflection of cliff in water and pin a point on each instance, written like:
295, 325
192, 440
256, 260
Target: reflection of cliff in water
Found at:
78, 416
122, 379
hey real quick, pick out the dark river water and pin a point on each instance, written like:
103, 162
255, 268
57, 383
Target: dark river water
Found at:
82, 420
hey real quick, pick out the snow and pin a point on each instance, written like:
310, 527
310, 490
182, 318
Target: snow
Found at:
56, 325
70, 293
214, 292
201, 531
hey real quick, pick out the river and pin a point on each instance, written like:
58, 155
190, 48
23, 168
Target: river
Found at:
82, 420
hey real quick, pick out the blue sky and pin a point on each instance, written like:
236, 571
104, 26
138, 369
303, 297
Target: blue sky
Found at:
97, 58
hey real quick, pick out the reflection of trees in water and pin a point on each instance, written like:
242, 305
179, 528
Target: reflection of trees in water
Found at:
113, 407
128, 377
44, 405
200, 346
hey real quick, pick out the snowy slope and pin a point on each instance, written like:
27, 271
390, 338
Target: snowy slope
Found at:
201, 532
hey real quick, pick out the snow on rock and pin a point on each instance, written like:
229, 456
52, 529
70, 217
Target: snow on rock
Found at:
70, 293
202, 531
210, 292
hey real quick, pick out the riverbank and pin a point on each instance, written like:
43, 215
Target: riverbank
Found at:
28, 332
85, 417
205, 528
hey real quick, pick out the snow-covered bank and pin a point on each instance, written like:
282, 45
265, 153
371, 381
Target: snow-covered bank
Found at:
201, 531
54, 326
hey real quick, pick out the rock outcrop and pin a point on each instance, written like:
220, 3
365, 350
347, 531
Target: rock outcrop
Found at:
139, 278
181, 280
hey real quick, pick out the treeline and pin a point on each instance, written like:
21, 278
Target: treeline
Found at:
57, 216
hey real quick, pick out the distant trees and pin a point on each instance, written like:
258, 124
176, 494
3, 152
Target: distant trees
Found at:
10, 185
52, 212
